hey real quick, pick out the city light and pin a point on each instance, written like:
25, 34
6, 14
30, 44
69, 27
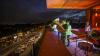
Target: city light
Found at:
15, 37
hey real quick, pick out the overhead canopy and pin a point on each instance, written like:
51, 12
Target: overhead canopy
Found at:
71, 4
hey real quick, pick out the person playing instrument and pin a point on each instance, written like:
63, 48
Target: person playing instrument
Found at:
63, 33
59, 26
68, 32
54, 25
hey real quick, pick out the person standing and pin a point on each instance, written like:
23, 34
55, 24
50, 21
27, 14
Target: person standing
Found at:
63, 34
68, 32
59, 27
87, 28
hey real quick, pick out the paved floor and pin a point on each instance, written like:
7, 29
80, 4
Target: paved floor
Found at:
52, 46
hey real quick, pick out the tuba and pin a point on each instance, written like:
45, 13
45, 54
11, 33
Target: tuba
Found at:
60, 27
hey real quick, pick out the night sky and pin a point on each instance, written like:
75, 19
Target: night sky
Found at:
22, 11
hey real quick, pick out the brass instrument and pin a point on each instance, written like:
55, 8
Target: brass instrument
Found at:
60, 27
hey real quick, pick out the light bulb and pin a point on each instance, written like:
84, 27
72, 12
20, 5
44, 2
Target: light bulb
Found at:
96, 14
96, 24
